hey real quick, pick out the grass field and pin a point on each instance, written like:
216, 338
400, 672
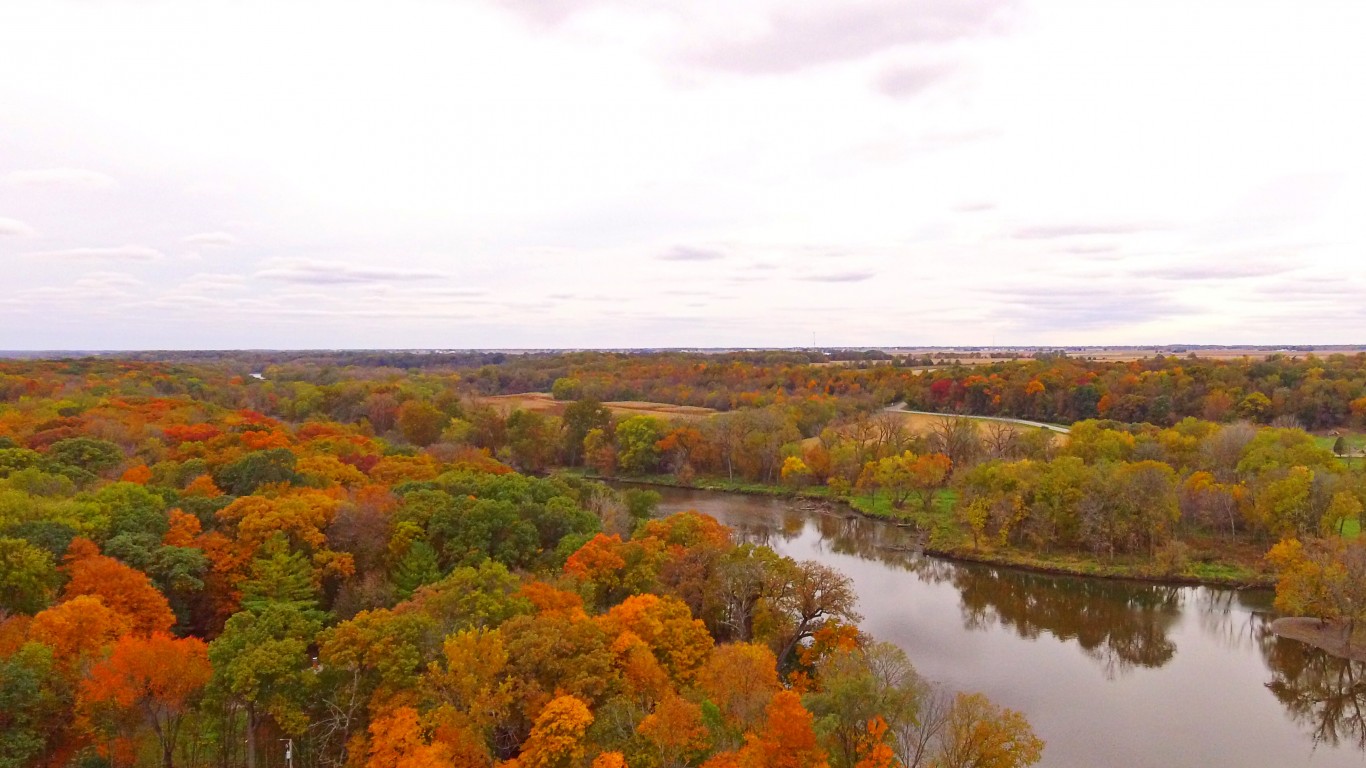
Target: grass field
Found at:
1355, 442
921, 423
542, 402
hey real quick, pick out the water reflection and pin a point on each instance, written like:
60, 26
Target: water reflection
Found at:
1324, 695
1237, 619
1121, 627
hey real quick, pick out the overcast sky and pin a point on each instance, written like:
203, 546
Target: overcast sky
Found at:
548, 173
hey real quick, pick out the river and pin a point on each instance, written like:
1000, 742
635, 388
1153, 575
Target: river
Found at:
1109, 673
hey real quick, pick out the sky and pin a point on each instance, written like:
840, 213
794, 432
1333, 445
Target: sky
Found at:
681, 173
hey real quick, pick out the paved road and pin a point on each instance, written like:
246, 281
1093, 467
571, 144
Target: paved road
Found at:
901, 408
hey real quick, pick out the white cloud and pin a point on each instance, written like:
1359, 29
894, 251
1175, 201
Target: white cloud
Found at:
211, 240
618, 171
336, 273
58, 178
16, 228
115, 253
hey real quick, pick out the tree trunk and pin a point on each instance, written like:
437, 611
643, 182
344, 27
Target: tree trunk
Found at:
251, 735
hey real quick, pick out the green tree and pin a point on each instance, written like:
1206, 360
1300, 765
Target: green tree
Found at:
94, 456
637, 444
580, 418
641, 503
857, 686
486, 529
132, 509
244, 476
28, 576
417, 568
1283, 505
262, 662
1255, 407
566, 388
1344, 507
531, 440
33, 705
280, 576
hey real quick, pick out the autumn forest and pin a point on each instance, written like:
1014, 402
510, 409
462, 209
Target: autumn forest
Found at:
381, 560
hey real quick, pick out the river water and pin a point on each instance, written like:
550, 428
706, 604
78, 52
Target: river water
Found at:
1109, 673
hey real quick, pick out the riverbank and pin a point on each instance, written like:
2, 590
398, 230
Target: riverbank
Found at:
944, 538
1328, 636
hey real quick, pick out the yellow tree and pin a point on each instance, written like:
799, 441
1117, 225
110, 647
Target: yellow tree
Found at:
979, 734
556, 740
740, 679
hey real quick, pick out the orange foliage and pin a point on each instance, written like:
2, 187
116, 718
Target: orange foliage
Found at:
788, 739
687, 529
333, 470
122, 588
831, 637
203, 486
156, 672
138, 473
396, 741
740, 679
175, 434
392, 470
260, 440
609, 760
873, 747
644, 678
680, 642
676, 730
301, 516
183, 531
553, 601
156, 678
78, 627
597, 557
13, 633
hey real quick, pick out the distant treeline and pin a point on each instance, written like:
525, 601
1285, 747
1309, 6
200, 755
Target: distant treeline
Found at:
1310, 391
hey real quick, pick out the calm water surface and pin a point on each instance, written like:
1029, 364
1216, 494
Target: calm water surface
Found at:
1109, 673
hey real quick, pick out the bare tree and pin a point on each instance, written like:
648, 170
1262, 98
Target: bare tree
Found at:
890, 434
1002, 440
957, 438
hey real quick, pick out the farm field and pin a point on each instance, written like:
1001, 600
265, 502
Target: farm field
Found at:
543, 402
943, 357
921, 423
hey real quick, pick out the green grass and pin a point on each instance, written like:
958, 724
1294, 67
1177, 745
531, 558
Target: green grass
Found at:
1224, 573
1352, 441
